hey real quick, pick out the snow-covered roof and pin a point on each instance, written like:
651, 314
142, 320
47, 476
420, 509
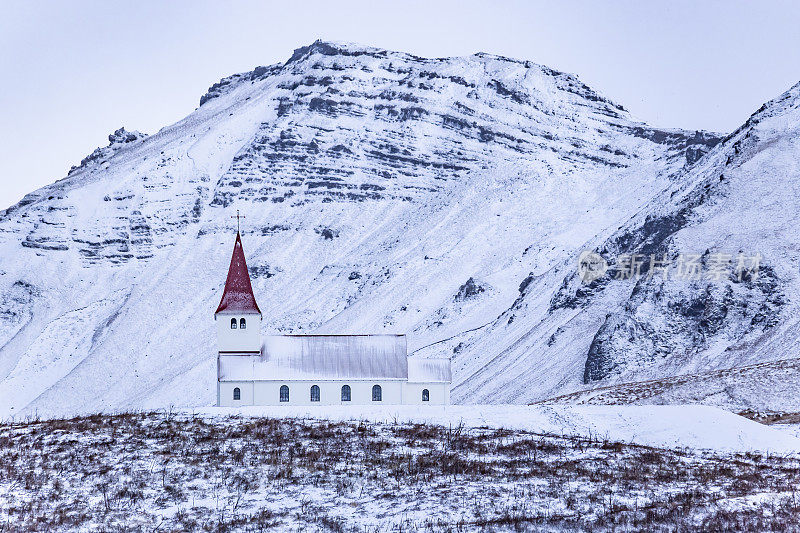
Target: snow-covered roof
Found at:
422, 370
238, 297
321, 357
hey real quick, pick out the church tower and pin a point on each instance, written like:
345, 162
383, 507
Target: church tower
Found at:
238, 317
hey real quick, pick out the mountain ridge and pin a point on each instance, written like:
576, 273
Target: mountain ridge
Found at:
645, 329
383, 192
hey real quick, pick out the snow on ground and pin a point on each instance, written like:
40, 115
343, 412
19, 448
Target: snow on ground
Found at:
771, 387
663, 426
788, 429
179, 472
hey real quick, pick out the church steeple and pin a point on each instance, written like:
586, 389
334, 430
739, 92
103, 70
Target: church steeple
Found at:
238, 297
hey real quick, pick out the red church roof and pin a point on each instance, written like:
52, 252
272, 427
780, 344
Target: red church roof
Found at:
238, 297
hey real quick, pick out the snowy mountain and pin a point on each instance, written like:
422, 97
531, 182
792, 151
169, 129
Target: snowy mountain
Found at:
734, 210
443, 198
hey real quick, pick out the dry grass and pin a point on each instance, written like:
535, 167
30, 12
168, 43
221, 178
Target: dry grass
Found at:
158, 471
770, 418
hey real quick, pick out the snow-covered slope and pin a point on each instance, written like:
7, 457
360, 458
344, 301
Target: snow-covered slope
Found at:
383, 192
662, 426
741, 198
773, 386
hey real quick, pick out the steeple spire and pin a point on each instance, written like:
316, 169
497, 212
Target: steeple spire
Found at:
238, 297
237, 217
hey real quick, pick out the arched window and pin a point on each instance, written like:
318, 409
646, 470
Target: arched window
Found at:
345, 393
314, 393
426, 395
237, 394
233, 323
377, 393
284, 393
242, 323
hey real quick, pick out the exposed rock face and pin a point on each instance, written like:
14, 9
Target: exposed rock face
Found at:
116, 141
734, 212
663, 323
373, 184
469, 290
734, 208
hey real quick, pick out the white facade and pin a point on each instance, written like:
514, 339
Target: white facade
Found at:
266, 392
330, 392
438, 393
239, 339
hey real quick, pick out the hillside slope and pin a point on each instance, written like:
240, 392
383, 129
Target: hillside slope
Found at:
383, 192
764, 387
723, 295
184, 472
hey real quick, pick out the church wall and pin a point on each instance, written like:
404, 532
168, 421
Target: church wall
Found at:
439, 393
238, 340
226, 393
394, 393
268, 392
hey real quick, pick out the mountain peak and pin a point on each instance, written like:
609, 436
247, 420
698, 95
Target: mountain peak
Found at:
516, 76
331, 48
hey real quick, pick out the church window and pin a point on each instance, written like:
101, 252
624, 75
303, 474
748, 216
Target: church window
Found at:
377, 393
242, 323
426, 395
284, 393
345, 393
237, 394
314, 393
233, 323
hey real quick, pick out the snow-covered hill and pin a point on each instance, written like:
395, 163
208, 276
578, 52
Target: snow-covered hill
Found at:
740, 200
183, 472
443, 198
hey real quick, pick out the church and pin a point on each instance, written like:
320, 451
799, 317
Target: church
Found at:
313, 369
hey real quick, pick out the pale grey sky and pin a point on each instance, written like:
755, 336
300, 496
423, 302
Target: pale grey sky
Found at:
72, 72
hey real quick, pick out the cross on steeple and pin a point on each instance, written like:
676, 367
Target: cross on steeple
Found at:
237, 217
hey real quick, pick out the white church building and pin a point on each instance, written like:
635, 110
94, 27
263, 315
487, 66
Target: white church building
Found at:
313, 369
